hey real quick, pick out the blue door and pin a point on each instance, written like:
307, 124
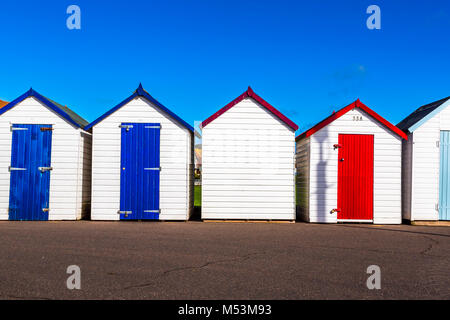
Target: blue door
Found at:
140, 171
30, 172
444, 177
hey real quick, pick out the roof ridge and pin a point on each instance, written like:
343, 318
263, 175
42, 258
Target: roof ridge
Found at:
140, 92
417, 116
65, 113
426, 106
336, 115
249, 93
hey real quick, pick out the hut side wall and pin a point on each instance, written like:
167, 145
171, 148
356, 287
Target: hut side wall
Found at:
302, 163
407, 151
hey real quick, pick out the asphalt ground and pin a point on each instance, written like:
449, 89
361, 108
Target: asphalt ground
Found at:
195, 260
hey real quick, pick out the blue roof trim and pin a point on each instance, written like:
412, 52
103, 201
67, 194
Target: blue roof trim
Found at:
429, 116
42, 99
140, 92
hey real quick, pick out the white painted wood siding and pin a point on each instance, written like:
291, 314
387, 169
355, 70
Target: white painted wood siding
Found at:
176, 160
324, 169
66, 177
302, 164
248, 165
426, 164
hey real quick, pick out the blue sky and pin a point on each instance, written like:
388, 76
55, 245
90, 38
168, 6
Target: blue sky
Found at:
307, 58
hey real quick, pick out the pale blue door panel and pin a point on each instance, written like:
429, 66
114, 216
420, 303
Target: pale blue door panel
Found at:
444, 182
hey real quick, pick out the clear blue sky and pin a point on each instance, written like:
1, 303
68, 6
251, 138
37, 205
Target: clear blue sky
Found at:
306, 58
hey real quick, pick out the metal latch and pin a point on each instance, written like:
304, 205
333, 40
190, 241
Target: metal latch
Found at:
46, 129
153, 169
337, 146
335, 210
16, 169
126, 126
45, 209
44, 169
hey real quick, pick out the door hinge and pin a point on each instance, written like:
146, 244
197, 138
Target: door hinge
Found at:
126, 213
47, 129
18, 129
438, 144
16, 169
152, 127
152, 211
437, 206
153, 169
126, 126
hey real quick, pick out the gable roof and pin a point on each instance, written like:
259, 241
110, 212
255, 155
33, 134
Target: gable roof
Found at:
77, 118
140, 92
423, 114
341, 112
62, 111
3, 103
251, 94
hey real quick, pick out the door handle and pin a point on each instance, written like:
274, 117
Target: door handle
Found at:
341, 159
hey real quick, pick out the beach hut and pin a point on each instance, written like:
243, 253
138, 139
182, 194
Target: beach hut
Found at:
143, 162
248, 150
44, 159
426, 162
349, 169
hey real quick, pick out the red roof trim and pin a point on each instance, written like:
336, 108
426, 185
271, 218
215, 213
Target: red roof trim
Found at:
340, 113
251, 94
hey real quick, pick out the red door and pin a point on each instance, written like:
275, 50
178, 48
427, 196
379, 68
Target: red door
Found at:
355, 177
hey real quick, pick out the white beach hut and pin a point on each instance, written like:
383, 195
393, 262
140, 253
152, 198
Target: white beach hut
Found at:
248, 150
426, 161
143, 162
45, 161
349, 169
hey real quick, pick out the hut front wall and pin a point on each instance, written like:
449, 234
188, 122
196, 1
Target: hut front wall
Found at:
324, 168
66, 159
176, 145
248, 165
